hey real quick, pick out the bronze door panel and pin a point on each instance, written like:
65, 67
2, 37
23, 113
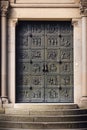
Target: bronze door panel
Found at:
44, 62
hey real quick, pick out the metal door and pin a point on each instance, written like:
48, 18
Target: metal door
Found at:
44, 62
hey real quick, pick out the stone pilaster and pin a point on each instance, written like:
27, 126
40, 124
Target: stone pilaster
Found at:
76, 56
4, 4
11, 58
83, 9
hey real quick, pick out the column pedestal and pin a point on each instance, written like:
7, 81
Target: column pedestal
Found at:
83, 102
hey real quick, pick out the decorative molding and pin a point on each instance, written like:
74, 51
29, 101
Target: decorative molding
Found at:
45, 1
4, 5
75, 22
44, 5
14, 22
83, 7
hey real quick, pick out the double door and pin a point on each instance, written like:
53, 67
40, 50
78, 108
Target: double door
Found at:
44, 62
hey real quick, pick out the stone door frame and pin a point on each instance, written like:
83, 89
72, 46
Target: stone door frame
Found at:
12, 55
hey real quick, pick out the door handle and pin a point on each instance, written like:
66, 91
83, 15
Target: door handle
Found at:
45, 68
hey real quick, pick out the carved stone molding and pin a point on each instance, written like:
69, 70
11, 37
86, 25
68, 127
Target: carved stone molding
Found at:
12, 22
75, 22
4, 7
83, 7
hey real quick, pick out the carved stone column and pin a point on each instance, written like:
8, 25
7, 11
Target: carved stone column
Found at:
4, 8
83, 9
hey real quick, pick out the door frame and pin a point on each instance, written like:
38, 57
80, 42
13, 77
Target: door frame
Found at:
12, 52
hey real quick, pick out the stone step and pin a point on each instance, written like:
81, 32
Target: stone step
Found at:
43, 125
41, 129
18, 111
60, 112
64, 118
44, 116
46, 106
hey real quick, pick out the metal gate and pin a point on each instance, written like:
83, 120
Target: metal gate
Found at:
44, 62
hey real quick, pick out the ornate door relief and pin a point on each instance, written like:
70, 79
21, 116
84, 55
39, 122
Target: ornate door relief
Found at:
44, 62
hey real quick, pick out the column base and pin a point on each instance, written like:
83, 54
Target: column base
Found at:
0, 102
83, 102
4, 100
